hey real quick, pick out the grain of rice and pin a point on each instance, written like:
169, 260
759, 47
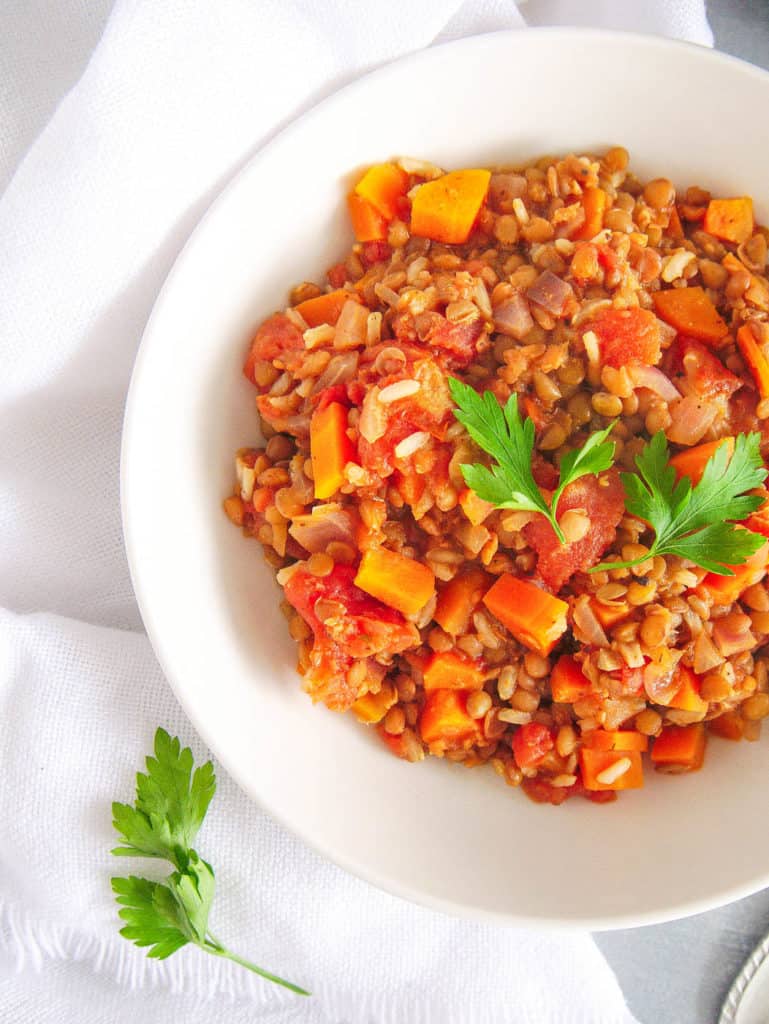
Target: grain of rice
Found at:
615, 771
400, 389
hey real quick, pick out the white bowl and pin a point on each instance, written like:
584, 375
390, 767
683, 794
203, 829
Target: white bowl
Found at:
435, 833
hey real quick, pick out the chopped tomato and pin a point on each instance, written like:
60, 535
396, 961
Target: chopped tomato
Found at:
427, 410
375, 252
758, 522
396, 744
627, 336
337, 275
545, 474
275, 337
704, 373
603, 499
607, 257
353, 625
456, 342
459, 341
334, 393
542, 792
530, 744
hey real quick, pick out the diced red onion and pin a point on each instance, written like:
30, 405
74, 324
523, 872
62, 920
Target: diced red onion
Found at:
352, 326
324, 524
691, 419
732, 634
660, 682
655, 380
587, 628
512, 317
340, 369
706, 656
550, 292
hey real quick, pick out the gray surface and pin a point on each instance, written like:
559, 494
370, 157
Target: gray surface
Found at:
680, 973
671, 974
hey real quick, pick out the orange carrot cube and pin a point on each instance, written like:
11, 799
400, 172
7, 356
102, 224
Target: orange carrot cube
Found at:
535, 618
399, 582
330, 448
730, 219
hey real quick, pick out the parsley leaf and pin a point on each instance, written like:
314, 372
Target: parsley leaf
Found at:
171, 803
152, 915
509, 440
694, 522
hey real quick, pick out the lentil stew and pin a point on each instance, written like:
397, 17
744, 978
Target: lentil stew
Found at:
450, 624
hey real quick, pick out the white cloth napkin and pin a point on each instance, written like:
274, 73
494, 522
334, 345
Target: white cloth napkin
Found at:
175, 97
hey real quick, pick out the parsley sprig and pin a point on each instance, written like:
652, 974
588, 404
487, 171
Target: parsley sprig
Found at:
171, 803
694, 522
509, 440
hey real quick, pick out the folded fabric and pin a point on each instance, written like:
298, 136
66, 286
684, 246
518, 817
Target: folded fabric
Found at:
176, 96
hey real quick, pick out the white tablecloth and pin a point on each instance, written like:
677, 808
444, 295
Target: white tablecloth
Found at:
175, 96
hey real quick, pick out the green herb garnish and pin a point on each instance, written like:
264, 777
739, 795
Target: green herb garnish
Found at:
694, 522
171, 803
509, 440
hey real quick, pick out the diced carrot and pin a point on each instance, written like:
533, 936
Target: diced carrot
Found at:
381, 186
675, 230
729, 726
594, 763
616, 739
458, 600
754, 356
444, 723
681, 747
568, 683
447, 670
330, 448
594, 205
324, 309
475, 508
235, 509
691, 312
372, 707
399, 582
692, 461
534, 617
687, 696
725, 590
368, 224
445, 209
609, 614
730, 219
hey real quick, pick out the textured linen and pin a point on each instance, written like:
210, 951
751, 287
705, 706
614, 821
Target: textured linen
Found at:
175, 97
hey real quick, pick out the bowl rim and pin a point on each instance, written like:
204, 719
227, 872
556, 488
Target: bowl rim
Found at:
132, 542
